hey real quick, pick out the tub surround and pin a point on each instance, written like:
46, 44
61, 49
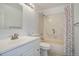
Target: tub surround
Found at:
53, 41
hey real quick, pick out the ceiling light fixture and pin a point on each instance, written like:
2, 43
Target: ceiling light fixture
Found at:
30, 5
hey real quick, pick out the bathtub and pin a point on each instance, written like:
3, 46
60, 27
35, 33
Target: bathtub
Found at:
56, 50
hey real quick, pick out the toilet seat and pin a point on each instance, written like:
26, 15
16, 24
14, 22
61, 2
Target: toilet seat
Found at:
44, 45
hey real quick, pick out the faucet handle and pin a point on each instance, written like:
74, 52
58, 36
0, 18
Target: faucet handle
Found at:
16, 34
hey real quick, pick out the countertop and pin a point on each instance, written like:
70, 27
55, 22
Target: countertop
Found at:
8, 44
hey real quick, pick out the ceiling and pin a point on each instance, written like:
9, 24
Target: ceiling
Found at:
42, 6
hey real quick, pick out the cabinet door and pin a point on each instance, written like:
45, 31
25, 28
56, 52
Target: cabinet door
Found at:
35, 49
13, 15
1, 20
10, 16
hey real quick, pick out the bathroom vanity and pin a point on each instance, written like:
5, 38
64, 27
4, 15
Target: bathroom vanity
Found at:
24, 46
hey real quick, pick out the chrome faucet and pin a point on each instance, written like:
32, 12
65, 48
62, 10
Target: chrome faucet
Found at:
14, 36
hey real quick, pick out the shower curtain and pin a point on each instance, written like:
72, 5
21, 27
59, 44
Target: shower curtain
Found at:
69, 46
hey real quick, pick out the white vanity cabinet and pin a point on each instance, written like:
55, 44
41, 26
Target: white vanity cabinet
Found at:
28, 49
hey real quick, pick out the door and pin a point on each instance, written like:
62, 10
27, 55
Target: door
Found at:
76, 37
76, 29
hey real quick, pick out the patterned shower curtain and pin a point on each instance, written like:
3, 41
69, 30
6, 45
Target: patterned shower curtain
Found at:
69, 46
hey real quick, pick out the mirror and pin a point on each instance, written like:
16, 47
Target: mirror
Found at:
11, 16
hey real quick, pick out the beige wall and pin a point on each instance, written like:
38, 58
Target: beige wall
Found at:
41, 23
53, 18
55, 22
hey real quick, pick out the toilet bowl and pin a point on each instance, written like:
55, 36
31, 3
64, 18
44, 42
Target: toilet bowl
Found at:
44, 47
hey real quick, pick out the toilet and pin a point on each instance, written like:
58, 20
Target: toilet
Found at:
44, 47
